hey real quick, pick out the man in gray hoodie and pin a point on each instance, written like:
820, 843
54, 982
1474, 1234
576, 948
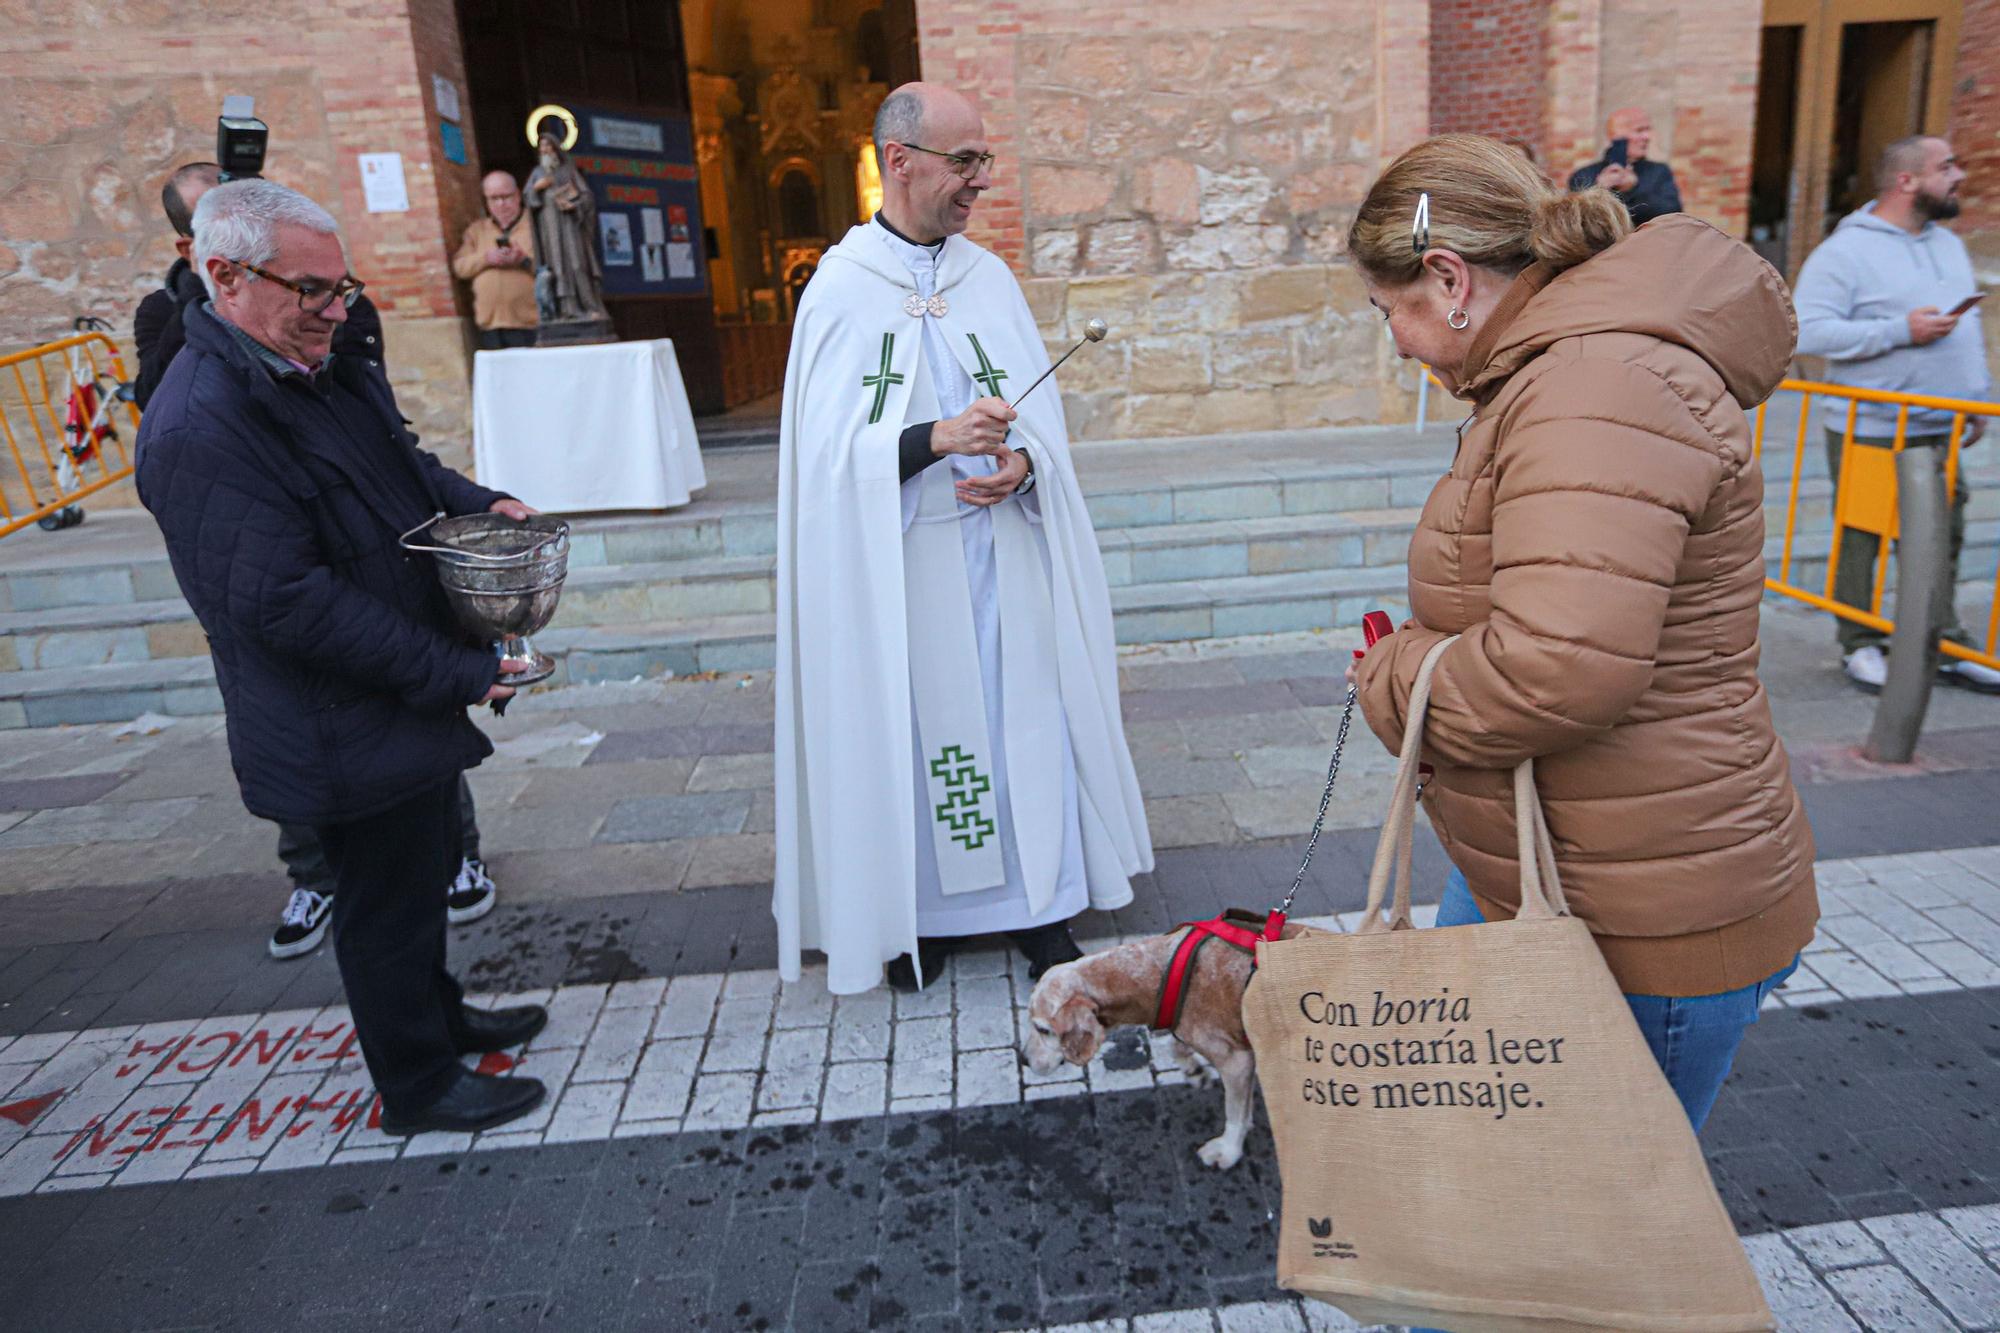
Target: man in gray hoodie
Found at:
1877, 301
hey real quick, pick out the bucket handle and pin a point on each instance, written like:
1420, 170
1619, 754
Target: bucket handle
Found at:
408, 545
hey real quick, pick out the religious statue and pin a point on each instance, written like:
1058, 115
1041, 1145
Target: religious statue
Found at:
569, 285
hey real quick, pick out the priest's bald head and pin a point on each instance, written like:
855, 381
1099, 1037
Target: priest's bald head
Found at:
935, 160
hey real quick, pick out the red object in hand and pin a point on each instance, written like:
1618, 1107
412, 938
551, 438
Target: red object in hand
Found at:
1376, 626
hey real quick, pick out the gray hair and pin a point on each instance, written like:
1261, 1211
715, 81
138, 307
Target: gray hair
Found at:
900, 120
239, 222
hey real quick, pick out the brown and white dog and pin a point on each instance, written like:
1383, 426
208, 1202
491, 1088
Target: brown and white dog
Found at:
1074, 1003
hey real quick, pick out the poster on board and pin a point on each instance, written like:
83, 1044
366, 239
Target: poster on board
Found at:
641, 169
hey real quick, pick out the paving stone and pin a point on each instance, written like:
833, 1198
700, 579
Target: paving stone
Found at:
665, 1079
587, 1111
689, 1008
1835, 1245
126, 821
1885, 1298
855, 1089
1953, 1273
613, 1050
1796, 1296
661, 818
1978, 1227
721, 1101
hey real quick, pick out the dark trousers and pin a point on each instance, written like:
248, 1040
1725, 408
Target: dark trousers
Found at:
388, 937
495, 340
305, 859
1854, 577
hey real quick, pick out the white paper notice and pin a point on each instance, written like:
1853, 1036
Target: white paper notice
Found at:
652, 263
680, 260
445, 92
655, 224
382, 183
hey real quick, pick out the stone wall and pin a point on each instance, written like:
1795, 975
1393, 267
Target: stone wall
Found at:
1694, 66
1188, 173
105, 99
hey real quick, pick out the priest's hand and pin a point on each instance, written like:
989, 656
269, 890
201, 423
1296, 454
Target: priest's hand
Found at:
513, 509
979, 429
996, 486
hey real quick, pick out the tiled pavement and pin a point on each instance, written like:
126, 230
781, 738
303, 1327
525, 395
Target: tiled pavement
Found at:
727, 1153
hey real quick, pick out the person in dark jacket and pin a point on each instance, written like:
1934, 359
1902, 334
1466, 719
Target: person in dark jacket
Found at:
1646, 188
157, 324
157, 332
281, 476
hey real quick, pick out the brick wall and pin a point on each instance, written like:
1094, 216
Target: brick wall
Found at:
1975, 134
1489, 59
1693, 64
105, 100
1188, 173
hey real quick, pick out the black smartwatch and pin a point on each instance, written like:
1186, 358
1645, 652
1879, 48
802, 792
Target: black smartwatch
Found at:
1027, 482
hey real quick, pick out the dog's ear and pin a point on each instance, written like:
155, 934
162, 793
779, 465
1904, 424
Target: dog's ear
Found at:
1076, 1023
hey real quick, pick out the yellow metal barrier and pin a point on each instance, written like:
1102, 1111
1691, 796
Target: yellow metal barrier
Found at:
1865, 498
59, 420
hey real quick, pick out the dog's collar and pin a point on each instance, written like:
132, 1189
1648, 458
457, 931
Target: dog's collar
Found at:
1234, 927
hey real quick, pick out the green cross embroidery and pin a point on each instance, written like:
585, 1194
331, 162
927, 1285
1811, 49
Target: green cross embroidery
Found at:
989, 375
882, 379
964, 785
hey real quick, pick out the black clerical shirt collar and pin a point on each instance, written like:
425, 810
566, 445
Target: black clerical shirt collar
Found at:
935, 247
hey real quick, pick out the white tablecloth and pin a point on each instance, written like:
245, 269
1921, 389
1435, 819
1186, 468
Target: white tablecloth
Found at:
576, 429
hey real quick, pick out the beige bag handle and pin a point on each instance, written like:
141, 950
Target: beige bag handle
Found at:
1541, 883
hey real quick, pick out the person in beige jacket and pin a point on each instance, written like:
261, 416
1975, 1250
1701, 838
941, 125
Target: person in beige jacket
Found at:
1598, 544
497, 256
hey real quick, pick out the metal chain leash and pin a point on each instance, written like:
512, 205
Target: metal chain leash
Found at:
1325, 800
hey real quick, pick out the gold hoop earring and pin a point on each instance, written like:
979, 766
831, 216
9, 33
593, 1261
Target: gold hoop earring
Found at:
1457, 318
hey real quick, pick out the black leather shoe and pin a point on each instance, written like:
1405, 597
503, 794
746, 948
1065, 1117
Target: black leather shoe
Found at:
1045, 946
931, 953
473, 1103
482, 1031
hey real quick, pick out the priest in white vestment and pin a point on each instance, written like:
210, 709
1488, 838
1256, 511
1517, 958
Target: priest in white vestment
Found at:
951, 760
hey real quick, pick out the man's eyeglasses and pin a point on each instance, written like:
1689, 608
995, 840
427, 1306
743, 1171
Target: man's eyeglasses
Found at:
966, 166
1420, 226
314, 298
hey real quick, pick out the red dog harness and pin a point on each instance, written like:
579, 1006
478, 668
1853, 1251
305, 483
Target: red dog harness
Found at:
1234, 927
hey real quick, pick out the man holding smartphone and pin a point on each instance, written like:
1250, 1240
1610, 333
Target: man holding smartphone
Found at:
1646, 188
1891, 302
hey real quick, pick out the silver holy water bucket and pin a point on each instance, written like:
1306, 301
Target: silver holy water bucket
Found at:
502, 577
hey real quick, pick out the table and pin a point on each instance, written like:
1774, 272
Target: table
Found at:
581, 429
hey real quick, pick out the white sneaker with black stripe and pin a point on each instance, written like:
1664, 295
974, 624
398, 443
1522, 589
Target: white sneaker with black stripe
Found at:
303, 925
471, 894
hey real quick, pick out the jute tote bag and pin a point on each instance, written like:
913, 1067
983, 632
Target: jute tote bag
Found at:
1471, 1131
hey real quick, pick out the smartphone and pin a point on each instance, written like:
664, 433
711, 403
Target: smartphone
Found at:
1619, 154
1967, 304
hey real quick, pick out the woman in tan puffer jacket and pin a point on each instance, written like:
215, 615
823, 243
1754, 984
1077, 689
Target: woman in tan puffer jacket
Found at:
1598, 543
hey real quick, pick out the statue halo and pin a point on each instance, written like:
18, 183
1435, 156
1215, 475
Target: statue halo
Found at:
562, 113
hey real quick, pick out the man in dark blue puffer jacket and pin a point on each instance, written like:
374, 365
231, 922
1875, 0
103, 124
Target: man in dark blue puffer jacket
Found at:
281, 476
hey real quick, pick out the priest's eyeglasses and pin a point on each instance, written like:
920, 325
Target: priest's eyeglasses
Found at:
966, 166
313, 297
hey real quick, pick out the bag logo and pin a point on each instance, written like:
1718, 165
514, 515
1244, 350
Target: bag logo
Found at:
1324, 1246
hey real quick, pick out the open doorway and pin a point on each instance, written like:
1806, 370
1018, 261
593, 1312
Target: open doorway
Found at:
784, 94
1839, 80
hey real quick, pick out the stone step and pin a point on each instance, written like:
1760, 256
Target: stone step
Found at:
1145, 613
1184, 580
